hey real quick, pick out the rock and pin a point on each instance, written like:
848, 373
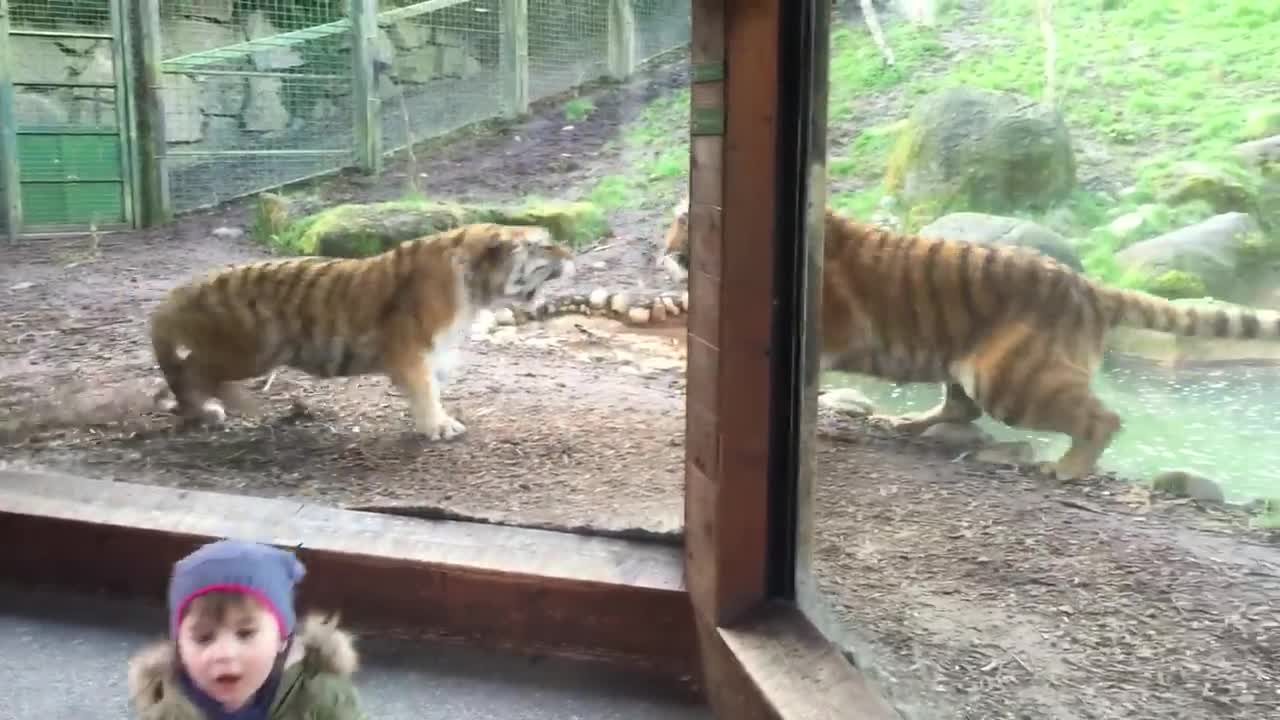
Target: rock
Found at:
265, 110
669, 303
619, 303
1223, 187
182, 98
1261, 122
227, 233
657, 311
1185, 484
999, 230
504, 317
598, 298
847, 401
684, 301
1014, 452
359, 230
1210, 250
638, 315
1144, 218
957, 435
1262, 154
279, 58
982, 150
219, 10
485, 321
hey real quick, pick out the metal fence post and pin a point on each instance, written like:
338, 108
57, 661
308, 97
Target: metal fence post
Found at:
365, 73
147, 116
10, 173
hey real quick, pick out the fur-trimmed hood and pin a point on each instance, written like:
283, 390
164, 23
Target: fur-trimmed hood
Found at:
319, 645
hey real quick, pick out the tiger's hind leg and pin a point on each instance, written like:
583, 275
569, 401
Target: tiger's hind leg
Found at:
956, 407
196, 400
1029, 382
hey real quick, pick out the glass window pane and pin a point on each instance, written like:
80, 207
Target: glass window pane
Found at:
1006, 178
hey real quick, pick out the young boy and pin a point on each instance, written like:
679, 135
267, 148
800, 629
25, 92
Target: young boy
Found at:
233, 653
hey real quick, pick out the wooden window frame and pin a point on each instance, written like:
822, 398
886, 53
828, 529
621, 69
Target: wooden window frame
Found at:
719, 620
757, 197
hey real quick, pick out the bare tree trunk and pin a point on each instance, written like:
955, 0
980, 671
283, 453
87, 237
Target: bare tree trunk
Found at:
872, 19
1045, 8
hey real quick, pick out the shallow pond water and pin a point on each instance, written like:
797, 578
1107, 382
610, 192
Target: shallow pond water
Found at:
1223, 423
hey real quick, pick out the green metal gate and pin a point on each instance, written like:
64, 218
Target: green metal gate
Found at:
64, 116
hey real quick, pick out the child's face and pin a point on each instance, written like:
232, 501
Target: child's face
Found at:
229, 654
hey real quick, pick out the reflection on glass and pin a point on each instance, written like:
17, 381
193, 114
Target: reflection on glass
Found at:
1129, 142
573, 116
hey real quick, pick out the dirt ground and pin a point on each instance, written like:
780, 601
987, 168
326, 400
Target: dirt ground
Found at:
976, 592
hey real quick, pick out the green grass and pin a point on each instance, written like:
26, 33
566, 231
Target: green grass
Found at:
655, 152
579, 109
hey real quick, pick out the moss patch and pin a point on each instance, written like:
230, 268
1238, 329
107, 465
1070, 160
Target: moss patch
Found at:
361, 230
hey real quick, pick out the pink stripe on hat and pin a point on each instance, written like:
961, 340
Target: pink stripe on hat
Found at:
230, 587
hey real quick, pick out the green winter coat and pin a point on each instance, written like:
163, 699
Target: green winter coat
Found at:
316, 685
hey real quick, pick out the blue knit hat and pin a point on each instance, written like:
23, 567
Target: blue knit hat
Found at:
265, 572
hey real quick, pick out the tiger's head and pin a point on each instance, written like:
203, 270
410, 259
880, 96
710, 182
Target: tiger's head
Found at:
512, 262
673, 252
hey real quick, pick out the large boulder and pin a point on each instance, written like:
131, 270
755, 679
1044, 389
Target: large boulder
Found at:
1000, 230
982, 150
1225, 187
1217, 250
360, 230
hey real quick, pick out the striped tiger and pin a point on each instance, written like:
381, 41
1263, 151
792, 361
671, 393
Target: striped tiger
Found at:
401, 313
1007, 330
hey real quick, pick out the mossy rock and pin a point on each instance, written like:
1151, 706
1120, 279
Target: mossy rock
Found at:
1177, 285
1261, 122
983, 151
361, 230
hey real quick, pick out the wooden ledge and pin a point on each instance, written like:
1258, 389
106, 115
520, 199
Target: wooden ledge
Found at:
777, 665
524, 590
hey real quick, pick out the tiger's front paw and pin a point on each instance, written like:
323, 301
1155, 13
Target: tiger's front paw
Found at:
444, 428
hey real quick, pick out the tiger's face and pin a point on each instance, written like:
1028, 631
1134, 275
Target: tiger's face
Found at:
516, 261
673, 253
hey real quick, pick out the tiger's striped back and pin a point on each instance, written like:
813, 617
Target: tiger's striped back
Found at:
1007, 330
341, 317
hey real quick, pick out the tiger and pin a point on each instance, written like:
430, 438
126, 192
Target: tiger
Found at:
401, 313
1006, 330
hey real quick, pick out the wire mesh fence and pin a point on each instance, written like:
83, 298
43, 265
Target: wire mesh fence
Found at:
255, 93
260, 93
445, 70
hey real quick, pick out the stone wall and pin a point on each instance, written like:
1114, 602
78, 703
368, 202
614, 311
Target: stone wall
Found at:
228, 111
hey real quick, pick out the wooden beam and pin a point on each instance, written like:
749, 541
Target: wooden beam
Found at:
514, 38
622, 39
776, 664
148, 118
619, 602
10, 170
366, 101
731, 293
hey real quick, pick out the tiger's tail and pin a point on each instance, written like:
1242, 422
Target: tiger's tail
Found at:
1135, 309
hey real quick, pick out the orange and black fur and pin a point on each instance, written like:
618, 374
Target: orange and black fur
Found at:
401, 313
1007, 330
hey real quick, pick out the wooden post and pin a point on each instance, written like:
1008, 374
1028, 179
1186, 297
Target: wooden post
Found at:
125, 111
622, 39
147, 103
367, 102
10, 172
515, 57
